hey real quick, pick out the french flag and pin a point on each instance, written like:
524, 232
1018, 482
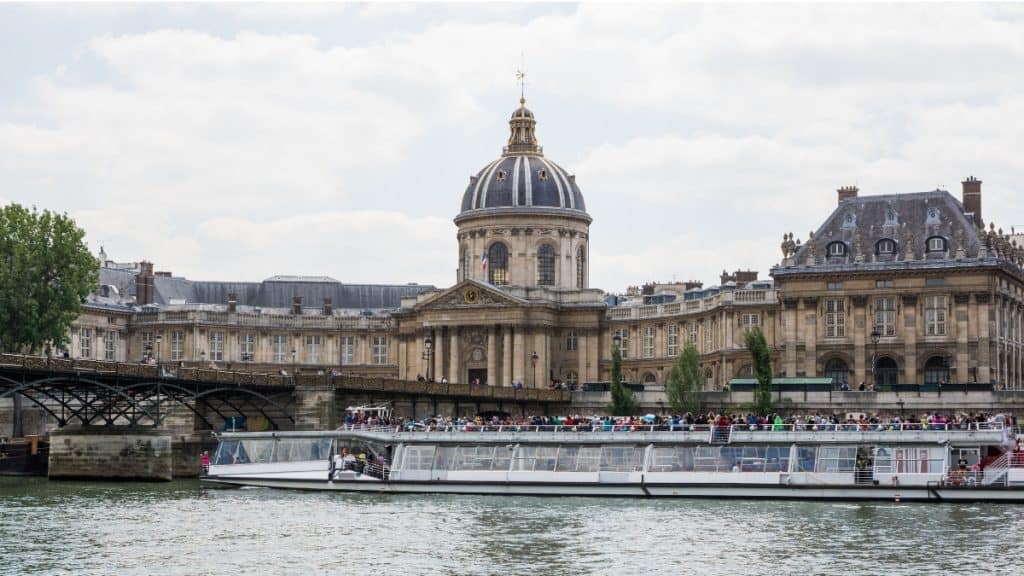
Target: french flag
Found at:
483, 260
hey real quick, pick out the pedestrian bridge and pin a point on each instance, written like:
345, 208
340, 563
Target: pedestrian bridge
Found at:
101, 393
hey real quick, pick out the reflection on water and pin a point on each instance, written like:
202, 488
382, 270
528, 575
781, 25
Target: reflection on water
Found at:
181, 528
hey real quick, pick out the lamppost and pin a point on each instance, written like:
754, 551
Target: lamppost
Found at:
295, 357
533, 359
876, 335
428, 355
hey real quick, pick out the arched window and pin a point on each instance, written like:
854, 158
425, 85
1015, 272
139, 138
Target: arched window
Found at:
745, 371
465, 263
581, 270
572, 379
837, 249
497, 264
886, 373
936, 370
838, 371
885, 246
545, 265
650, 378
936, 244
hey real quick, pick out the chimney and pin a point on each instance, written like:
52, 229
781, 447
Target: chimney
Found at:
297, 305
972, 199
232, 302
847, 192
144, 284
328, 306
691, 284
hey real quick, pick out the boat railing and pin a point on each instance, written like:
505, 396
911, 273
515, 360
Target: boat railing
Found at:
722, 432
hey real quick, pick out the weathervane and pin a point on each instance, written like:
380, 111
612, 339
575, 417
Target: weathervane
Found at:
521, 77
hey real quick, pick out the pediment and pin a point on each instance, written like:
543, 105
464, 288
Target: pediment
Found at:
470, 294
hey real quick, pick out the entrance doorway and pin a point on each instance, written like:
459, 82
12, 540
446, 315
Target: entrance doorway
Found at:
478, 376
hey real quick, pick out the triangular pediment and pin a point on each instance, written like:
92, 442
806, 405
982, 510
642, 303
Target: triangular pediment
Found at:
470, 294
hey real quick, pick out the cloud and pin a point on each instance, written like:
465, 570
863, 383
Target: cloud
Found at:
699, 133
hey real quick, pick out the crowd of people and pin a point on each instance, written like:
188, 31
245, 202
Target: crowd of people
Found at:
691, 422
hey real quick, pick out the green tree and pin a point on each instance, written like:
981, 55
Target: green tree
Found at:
46, 271
685, 381
623, 401
762, 363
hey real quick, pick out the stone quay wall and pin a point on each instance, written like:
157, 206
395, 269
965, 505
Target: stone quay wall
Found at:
110, 454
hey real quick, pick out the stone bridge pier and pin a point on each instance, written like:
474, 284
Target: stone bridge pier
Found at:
315, 406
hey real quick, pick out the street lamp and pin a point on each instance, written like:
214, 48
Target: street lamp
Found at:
533, 359
295, 355
428, 355
876, 335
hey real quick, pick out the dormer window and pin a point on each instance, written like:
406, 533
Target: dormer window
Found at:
890, 217
501, 175
850, 220
542, 174
837, 249
933, 216
885, 246
936, 244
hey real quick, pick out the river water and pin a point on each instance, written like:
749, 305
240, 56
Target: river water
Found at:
182, 528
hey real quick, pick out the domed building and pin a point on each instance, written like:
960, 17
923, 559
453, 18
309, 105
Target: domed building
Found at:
521, 312
523, 220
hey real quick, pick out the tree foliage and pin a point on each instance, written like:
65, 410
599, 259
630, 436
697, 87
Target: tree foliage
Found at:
685, 381
46, 271
623, 400
762, 362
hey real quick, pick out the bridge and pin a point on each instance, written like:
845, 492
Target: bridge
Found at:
99, 393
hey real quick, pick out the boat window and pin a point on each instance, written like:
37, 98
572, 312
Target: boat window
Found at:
672, 459
230, 452
301, 449
777, 458
247, 451
836, 459
417, 457
621, 458
443, 457
705, 459
529, 458
805, 458
919, 459
502, 457
473, 458
567, 458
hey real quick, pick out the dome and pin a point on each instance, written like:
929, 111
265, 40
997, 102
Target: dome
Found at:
522, 178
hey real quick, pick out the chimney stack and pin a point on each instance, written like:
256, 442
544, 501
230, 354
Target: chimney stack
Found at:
847, 192
232, 302
972, 199
328, 306
297, 305
144, 284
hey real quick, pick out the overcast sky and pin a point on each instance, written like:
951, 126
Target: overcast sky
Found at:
237, 142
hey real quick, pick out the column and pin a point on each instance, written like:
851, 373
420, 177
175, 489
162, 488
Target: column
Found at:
582, 355
492, 357
593, 355
454, 365
984, 346
961, 301
811, 336
789, 335
506, 359
544, 363
861, 328
403, 357
519, 354
910, 339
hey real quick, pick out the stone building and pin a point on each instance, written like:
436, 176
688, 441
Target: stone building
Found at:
903, 288
942, 294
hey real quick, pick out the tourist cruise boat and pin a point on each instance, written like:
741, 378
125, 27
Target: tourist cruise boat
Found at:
833, 461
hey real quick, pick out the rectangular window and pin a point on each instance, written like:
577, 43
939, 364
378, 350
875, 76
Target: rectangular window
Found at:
85, 342
380, 349
623, 334
348, 350
935, 282
709, 336
279, 347
648, 341
835, 318
885, 315
570, 340
248, 345
110, 345
748, 321
146, 339
216, 346
835, 285
672, 340
935, 315
692, 334
177, 345
312, 349
884, 283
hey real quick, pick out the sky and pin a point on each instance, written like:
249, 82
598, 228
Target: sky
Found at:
236, 142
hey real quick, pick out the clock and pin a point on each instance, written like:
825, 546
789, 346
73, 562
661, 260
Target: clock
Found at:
472, 296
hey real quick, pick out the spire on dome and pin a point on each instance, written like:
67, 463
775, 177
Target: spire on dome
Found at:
523, 137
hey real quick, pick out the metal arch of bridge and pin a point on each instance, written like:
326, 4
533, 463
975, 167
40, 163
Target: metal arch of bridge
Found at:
141, 404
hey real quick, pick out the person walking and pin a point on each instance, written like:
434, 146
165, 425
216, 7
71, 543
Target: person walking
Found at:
204, 461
